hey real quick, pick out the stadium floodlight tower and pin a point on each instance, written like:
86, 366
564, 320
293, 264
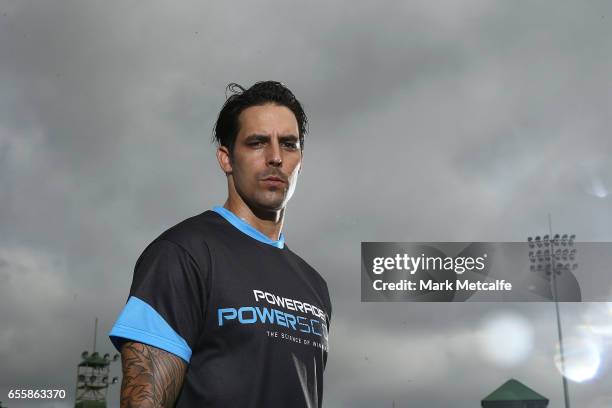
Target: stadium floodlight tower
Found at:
551, 256
93, 378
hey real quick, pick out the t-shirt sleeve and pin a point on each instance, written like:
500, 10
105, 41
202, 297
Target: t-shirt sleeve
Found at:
167, 299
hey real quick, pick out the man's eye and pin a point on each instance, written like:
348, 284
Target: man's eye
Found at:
256, 144
290, 145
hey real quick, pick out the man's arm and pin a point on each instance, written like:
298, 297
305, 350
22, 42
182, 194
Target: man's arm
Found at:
152, 378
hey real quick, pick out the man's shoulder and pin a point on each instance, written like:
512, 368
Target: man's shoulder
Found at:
315, 276
192, 234
305, 265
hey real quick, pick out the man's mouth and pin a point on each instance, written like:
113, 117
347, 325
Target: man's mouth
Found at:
276, 181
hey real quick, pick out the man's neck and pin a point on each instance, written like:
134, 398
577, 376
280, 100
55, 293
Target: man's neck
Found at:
269, 223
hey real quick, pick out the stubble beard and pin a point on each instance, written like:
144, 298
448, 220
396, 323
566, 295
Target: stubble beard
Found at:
267, 199
270, 199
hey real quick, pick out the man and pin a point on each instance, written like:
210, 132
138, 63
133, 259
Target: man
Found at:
221, 312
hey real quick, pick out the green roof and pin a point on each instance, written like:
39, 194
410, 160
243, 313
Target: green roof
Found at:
513, 390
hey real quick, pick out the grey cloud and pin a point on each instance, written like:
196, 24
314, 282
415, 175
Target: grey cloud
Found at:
429, 121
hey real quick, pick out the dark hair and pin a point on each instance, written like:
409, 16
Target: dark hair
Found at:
227, 125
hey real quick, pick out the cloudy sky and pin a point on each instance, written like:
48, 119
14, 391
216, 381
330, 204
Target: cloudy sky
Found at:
429, 121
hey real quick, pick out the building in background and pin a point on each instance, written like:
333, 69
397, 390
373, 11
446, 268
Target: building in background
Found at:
514, 394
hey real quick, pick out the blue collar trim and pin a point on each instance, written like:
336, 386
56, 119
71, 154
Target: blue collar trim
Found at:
248, 228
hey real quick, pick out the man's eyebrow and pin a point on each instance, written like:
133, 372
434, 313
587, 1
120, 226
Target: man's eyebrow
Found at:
256, 136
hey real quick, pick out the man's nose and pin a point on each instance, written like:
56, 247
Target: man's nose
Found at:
274, 157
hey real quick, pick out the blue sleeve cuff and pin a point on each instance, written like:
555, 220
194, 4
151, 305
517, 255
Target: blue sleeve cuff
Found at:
139, 322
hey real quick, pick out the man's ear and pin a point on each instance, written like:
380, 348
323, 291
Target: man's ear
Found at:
224, 159
301, 162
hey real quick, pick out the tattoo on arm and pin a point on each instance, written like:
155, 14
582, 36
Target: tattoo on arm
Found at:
152, 378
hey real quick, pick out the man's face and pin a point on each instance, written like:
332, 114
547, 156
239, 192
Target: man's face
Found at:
267, 157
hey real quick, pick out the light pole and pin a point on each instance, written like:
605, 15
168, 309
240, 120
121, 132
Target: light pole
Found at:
93, 377
553, 255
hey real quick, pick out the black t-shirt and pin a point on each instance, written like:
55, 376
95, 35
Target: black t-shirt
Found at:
249, 316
